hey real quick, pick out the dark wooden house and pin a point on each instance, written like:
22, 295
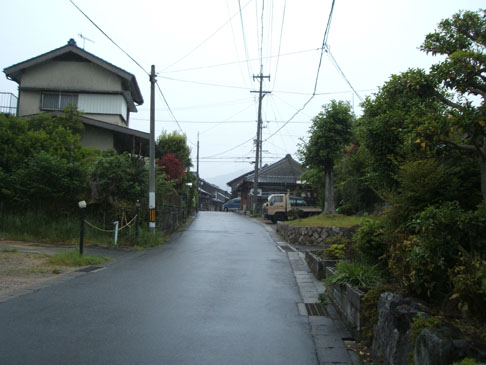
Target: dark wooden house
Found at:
283, 176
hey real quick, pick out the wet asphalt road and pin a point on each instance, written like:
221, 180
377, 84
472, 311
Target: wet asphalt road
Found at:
221, 293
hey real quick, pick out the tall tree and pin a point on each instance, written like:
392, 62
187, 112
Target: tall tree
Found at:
386, 130
174, 143
331, 130
462, 40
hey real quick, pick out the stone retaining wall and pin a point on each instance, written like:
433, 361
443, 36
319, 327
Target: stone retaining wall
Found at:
318, 265
312, 236
347, 301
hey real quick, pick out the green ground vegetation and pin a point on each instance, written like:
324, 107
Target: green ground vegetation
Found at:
45, 172
327, 220
74, 258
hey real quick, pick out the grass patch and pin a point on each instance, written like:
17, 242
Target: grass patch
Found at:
73, 258
327, 220
147, 238
9, 250
36, 226
356, 274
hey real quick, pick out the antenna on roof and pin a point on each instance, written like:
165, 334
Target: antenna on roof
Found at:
84, 39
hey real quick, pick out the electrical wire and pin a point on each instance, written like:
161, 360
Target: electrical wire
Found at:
237, 62
227, 120
261, 42
279, 44
205, 40
328, 51
324, 45
244, 40
231, 149
171, 112
138, 64
235, 46
205, 83
107, 36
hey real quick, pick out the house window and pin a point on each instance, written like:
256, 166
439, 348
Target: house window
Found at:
58, 101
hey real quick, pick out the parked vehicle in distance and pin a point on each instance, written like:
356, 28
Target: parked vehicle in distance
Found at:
233, 204
281, 207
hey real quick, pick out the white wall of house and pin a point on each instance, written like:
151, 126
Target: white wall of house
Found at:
101, 104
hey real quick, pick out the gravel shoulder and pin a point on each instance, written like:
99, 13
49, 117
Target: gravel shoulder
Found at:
24, 267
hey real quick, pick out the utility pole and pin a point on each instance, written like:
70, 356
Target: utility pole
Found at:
259, 137
197, 175
152, 153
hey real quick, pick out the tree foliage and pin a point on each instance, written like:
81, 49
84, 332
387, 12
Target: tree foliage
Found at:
174, 143
172, 167
329, 133
120, 177
462, 40
23, 138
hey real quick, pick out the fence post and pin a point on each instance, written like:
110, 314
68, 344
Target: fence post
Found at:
82, 206
137, 205
115, 238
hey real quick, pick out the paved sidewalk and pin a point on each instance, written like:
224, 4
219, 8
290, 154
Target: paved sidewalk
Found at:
328, 331
331, 338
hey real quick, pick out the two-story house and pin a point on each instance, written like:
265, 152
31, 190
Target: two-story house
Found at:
104, 94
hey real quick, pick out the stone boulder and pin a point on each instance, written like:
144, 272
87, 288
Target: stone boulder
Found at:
391, 339
437, 346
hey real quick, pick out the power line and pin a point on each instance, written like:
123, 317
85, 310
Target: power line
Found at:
324, 43
261, 42
231, 149
171, 112
342, 73
107, 36
121, 49
225, 121
207, 106
205, 40
244, 40
205, 83
237, 62
235, 46
279, 43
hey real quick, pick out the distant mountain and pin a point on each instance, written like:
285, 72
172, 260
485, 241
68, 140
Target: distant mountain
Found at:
221, 180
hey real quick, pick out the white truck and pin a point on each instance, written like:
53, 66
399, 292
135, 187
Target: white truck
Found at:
281, 207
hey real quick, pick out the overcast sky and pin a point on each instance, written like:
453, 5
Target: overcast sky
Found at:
207, 52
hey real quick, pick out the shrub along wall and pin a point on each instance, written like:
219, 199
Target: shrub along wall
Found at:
312, 236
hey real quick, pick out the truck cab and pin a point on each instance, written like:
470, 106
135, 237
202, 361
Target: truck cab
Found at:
278, 207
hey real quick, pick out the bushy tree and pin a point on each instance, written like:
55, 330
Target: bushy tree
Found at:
352, 191
120, 177
174, 143
386, 131
48, 182
172, 167
23, 138
462, 40
329, 133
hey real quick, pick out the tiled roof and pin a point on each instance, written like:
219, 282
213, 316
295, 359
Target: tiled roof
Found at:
284, 171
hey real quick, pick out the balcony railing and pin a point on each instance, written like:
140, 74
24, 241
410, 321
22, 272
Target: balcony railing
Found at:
8, 103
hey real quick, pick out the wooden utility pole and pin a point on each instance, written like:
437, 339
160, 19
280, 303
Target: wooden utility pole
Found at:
259, 138
152, 153
197, 175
